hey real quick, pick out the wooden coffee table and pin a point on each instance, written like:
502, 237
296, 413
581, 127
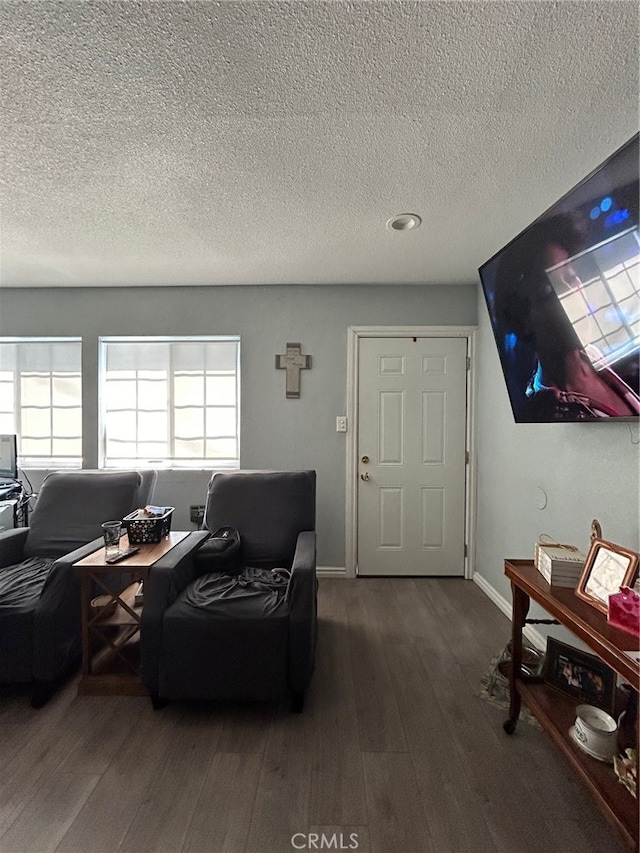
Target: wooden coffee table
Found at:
111, 635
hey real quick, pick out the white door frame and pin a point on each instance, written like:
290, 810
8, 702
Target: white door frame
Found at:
354, 333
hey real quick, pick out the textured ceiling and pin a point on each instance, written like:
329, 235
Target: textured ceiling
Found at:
196, 142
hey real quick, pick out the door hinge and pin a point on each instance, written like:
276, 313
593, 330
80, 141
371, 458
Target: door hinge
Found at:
468, 362
466, 457
466, 550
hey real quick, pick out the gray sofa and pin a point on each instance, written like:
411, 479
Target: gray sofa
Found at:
221, 628
40, 615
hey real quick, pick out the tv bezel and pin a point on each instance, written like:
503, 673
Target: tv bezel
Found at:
553, 208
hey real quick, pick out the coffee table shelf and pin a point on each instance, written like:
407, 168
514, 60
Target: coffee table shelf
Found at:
556, 714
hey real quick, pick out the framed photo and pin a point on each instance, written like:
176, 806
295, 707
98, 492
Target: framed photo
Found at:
607, 568
580, 675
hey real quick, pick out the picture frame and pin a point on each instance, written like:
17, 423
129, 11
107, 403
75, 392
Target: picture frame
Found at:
608, 567
580, 675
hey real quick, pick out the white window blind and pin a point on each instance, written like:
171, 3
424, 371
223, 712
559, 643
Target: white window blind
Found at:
41, 399
171, 402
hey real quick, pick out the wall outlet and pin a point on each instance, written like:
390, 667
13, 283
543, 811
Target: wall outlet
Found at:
196, 513
341, 423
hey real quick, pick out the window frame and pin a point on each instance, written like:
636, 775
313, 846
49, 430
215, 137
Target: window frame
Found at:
35, 461
171, 462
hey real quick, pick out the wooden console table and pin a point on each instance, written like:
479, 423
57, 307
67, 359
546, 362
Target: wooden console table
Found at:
555, 712
110, 643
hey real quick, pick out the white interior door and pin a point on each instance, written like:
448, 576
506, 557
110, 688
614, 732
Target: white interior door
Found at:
411, 445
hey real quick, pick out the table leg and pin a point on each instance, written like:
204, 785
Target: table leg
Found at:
85, 583
520, 607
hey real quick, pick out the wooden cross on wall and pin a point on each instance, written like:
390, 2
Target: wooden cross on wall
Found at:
293, 362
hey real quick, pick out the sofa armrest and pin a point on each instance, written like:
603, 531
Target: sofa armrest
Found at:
57, 624
12, 544
167, 578
302, 601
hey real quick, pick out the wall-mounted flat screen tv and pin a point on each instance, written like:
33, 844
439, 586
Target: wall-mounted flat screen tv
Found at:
564, 302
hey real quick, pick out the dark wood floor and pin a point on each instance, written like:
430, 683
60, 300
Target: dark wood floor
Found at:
395, 752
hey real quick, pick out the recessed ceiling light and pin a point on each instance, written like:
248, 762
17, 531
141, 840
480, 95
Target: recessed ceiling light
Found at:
404, 222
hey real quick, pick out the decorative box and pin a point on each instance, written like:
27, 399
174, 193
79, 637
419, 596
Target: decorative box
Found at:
560, 565
143, 530
624, 611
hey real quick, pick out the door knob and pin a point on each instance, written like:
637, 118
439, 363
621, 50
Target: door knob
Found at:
365, 460
364, 476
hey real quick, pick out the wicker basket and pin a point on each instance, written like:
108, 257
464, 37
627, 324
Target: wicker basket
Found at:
142, 531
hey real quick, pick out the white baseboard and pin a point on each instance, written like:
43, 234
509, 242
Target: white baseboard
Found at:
502, 604
331, 571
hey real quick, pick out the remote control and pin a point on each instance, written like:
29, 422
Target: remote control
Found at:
122, 555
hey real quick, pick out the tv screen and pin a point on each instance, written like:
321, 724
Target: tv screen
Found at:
8, 457
564, 302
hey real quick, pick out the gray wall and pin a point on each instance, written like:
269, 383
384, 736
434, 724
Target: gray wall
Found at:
587, 471
275, 432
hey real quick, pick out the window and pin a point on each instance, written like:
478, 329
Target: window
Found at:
170, 401
41, 399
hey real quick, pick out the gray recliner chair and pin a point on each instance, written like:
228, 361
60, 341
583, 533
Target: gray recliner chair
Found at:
40, 612
146, 489
220, 627
148, 482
